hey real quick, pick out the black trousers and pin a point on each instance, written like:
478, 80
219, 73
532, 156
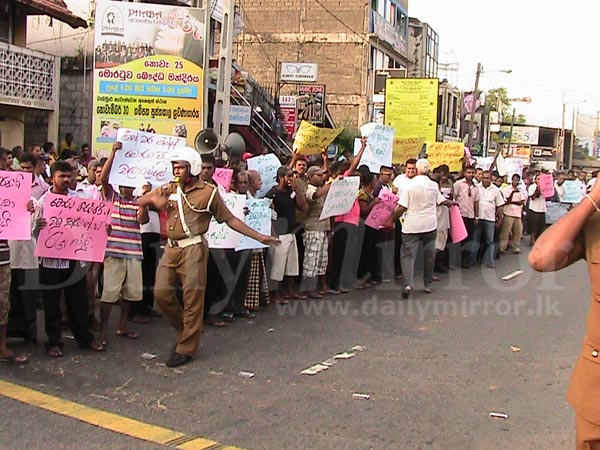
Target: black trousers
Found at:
215, 284
71, 282
151, 252
22, 319
345, 255
236, 279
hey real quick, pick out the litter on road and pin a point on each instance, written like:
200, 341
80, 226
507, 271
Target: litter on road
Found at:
512, 275
498, 415
245, 374
357, 396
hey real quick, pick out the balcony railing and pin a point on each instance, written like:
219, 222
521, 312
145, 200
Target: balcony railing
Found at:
388, 32
28, 78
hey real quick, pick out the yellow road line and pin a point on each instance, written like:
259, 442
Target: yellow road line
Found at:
109, 421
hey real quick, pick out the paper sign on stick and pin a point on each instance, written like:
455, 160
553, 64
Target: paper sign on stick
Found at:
76, 228
223, 177
406, 148
259, 219
573, 192
340, 198
266, 166
382, 211
219, 235
311, 140
380, 142
15, 192
144, 158
450, 153
546, 185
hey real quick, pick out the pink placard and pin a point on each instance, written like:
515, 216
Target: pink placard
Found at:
381, 212
15, 192
546, 185
76, 228
223, 177
458, 231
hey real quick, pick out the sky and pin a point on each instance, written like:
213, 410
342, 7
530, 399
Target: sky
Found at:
550, 49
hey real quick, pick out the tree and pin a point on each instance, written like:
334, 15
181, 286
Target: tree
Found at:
497, 99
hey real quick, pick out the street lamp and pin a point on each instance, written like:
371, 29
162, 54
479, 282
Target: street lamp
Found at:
475, 97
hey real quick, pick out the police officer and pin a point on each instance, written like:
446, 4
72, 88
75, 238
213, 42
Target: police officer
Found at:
573, 237
190, 203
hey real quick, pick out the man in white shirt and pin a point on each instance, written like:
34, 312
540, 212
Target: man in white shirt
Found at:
490, 216
402, 182
419, 202
513, 215
537, 209
467, 196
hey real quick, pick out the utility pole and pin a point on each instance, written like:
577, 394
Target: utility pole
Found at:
474, 106
561, 136
596, 150
223, 93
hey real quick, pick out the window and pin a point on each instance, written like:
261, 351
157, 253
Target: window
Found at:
5, 27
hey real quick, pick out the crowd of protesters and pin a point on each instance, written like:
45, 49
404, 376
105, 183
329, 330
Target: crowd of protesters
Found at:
308, 257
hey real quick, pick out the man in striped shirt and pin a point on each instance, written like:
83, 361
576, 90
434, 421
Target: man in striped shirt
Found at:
123, 256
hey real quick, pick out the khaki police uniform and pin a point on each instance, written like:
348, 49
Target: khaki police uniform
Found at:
184, 260
584, 391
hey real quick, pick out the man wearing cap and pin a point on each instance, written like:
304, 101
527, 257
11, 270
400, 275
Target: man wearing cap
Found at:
190, 204
123, 256
315, 234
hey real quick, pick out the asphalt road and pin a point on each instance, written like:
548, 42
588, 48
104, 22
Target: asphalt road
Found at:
434, 367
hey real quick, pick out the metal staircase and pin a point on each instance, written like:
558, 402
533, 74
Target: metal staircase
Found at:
260, 133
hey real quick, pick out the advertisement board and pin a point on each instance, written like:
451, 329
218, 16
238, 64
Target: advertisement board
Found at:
311, 103
148, 71
287, 108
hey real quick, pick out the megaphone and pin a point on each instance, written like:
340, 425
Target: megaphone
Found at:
235, 145
206, 141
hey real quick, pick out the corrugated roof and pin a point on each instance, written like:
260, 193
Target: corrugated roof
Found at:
53, 8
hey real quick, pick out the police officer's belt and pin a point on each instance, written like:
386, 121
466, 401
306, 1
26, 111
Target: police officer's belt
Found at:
186, 242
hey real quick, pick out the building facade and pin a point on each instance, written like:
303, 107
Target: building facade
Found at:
29, 79
349, 41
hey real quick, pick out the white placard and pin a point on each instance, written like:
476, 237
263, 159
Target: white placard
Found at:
341, 197
240, 115
144, 158
267, 166
219, 235
380, 144
259, 219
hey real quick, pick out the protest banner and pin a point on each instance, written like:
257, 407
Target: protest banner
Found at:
546, 185
311, 140
411, 107
340, 197
555, 211
573, 192
380, 143
450, 153
266, 166
148, 70
144, 158
406, 148
15, 192
75, 229
259, 219
383, 210
219, 235
223, 177
513, 165
484, 162
458, 231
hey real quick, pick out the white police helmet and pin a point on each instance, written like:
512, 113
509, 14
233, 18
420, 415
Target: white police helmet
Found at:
190, 156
